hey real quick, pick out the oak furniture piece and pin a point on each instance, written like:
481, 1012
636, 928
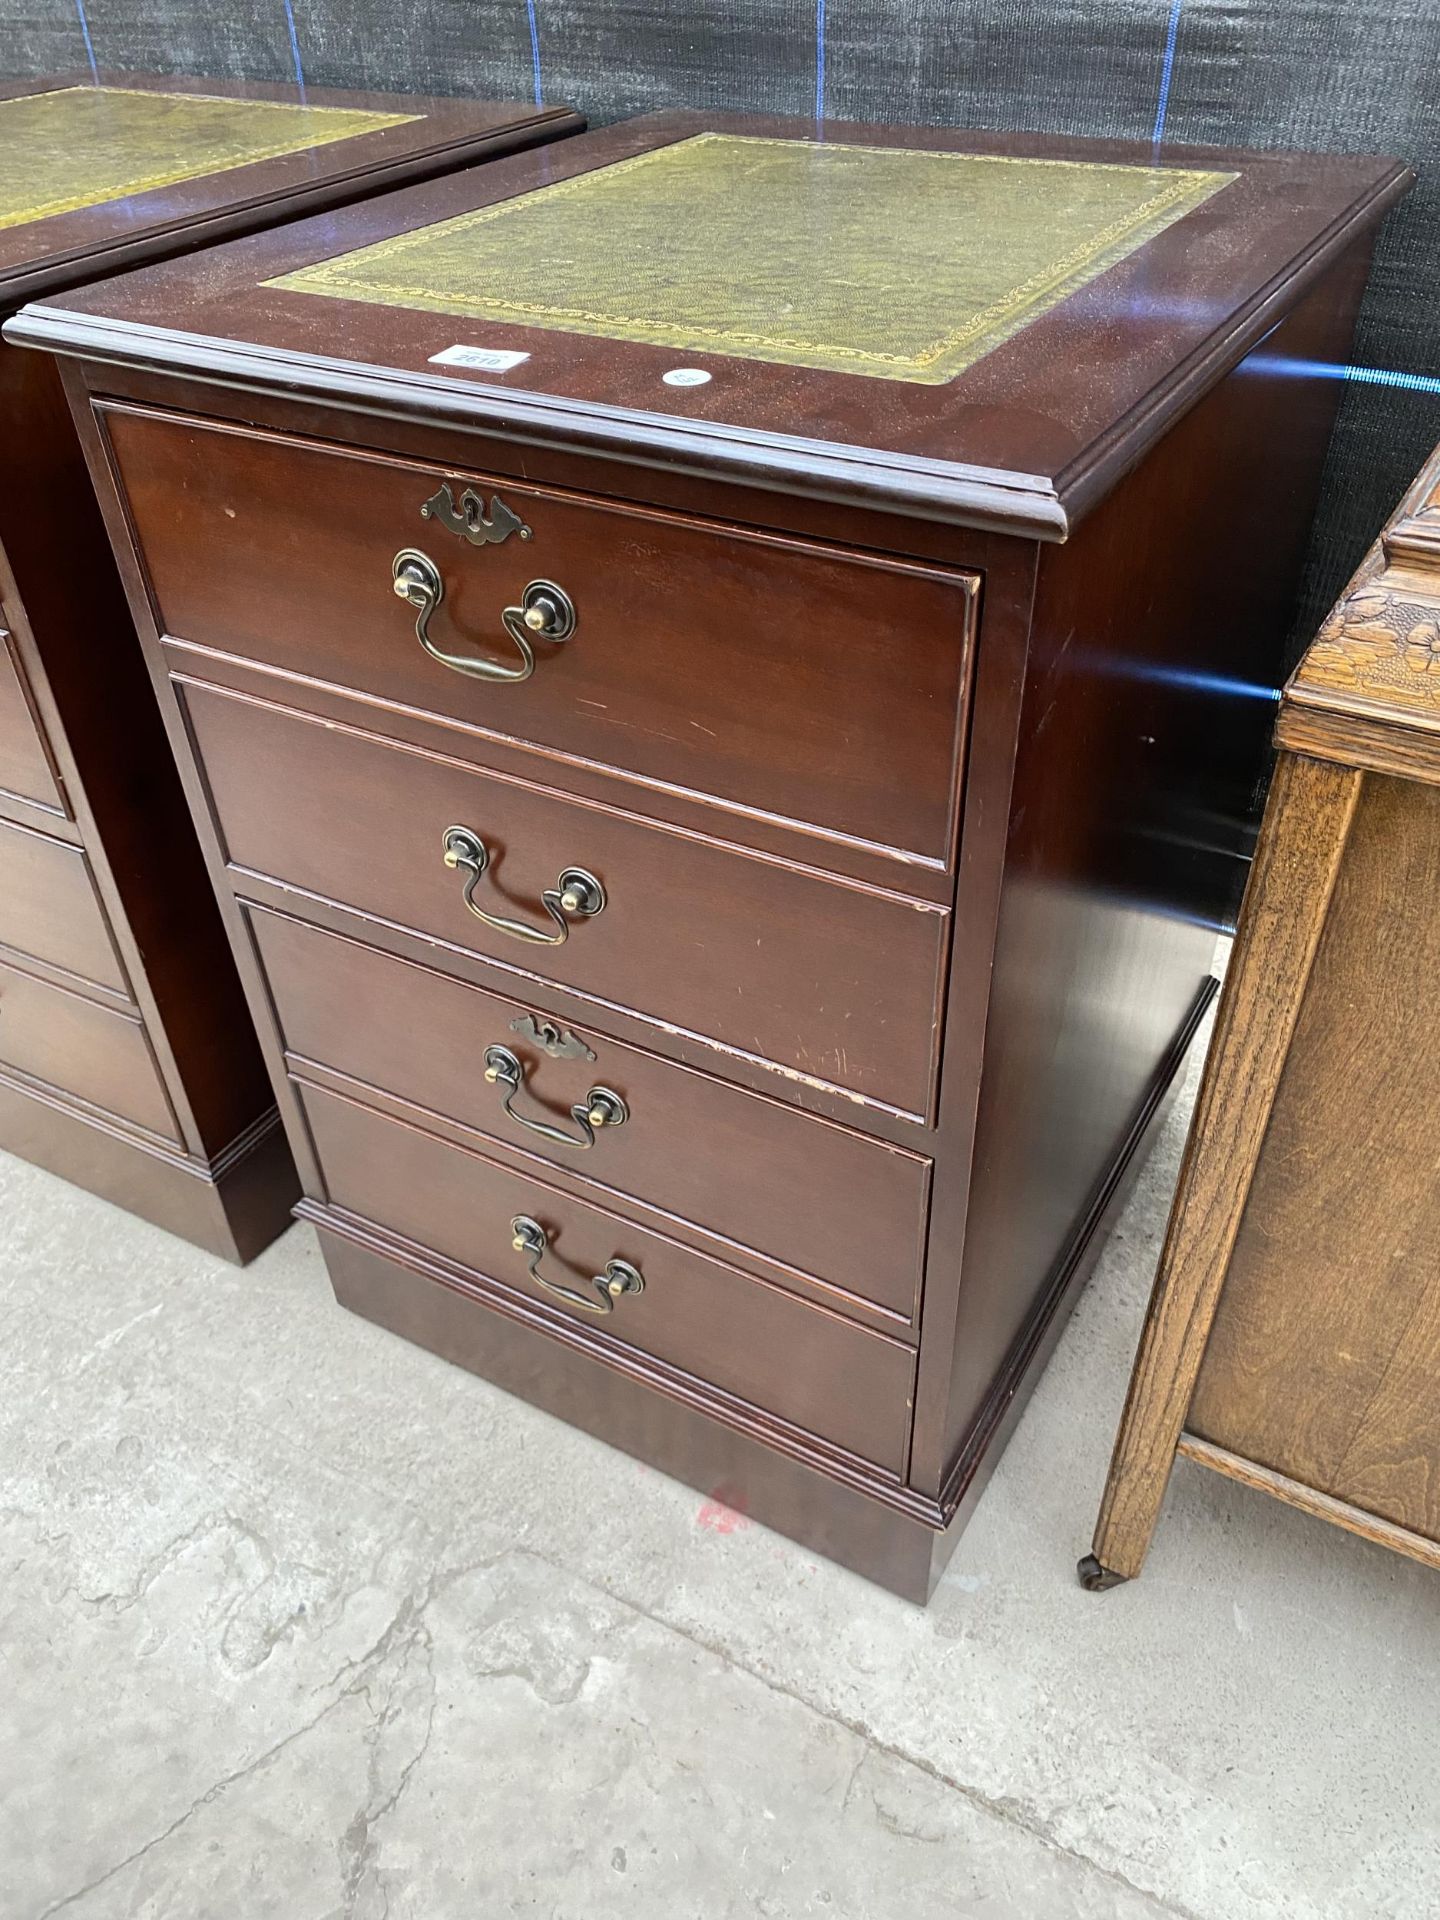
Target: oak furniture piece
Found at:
721, 676
1293, 1336
128, 1060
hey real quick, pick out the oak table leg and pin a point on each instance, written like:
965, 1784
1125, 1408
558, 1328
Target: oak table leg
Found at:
1307, 821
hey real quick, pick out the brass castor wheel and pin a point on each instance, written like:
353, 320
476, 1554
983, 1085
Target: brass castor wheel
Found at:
1097, 1579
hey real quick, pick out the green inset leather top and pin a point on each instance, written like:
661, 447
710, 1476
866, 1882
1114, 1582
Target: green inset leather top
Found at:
928, 260
981, 327
80, 146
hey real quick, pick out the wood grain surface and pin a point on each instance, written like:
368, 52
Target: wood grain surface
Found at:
1295, 1493
1309, 817
1324, 1359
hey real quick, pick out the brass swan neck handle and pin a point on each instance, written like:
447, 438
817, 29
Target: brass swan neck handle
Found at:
599, 1108
620, 1277
575, 895
545, 612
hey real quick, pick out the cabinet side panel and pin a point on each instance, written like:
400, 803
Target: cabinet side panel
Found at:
1326, 1346
1156, 654
117, 764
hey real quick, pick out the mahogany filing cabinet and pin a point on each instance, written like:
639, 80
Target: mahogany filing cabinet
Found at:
128, 1060
721, 672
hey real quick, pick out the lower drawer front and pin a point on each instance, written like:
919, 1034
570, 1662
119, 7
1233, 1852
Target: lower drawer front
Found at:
24, 764
838, 1206
49, 908
809, 1367
835, 982
75, 1046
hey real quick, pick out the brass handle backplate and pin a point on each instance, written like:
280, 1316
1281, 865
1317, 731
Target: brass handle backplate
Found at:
619, 1278
575, 895
599, 1108
545, 612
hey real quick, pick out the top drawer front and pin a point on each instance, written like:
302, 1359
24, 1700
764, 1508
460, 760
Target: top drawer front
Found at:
813, 684
24, 764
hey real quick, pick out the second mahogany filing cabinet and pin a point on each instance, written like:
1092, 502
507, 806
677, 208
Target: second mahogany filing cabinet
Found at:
722, 676
128, 1062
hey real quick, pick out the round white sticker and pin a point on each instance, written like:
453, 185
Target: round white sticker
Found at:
685, 377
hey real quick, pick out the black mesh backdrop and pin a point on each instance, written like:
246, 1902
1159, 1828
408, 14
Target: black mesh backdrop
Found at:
1327, 74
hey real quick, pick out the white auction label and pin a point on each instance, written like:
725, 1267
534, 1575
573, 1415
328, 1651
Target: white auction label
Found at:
488, 359
685, 377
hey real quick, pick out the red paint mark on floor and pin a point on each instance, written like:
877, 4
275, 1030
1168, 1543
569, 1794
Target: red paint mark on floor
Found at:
716, 1517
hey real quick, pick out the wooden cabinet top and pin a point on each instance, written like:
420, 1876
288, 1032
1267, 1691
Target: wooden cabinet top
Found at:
1367, 691
990, 327
97, 172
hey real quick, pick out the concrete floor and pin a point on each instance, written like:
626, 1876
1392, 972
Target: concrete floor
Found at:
300, 1622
